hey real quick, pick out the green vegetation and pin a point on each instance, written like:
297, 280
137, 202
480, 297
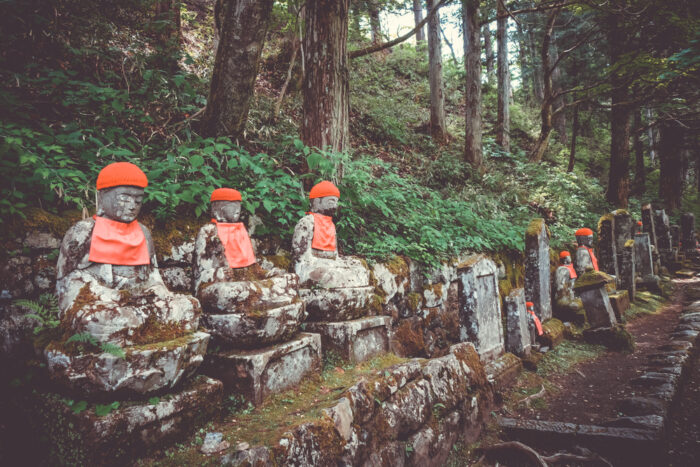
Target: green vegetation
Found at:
86, 342
44, 311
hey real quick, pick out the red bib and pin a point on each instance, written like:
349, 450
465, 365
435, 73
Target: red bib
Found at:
118, 243
538, 324
572, 271
324, 233
594, 260
237, 246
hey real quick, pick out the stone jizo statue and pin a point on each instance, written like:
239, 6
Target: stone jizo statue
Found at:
585, 256
566, 306
245, 305
320, 266
535, 324
108, 285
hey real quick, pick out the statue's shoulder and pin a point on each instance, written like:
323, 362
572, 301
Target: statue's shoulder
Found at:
80, 232
306, 221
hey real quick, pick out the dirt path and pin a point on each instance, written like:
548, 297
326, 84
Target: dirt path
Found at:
588, 392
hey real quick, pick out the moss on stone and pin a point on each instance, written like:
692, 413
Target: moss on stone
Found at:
398, 266
174, 232
629, 243
435, 288
408, 338
470, 357
535, 227
605, 217
552, 332
283, 262
414, 301
591, 279
154, 331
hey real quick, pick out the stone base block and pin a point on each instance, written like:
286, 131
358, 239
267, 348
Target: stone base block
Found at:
245, 330
356, 340
337, 304
255, 374
615, 337
620, 303
503, 370
145, 370
552, 333
651, 284
131, 430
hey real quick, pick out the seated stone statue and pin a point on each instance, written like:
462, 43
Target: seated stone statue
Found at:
585, 256
335, 287
108, 285
245, 305
566, 306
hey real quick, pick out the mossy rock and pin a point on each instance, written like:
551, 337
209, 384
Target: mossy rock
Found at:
591, 280
614, 338
552, 333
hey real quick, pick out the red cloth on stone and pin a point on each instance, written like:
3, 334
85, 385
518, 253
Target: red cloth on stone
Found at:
572, 271
538, 324
324, 233
119, 243
594, 260
237, 246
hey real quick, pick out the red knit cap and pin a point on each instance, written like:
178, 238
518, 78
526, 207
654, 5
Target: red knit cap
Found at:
225, 194
121, 174
564, 254
529, 304
639, 222
584, 232
324, 188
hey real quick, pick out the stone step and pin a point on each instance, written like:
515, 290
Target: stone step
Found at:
357, 340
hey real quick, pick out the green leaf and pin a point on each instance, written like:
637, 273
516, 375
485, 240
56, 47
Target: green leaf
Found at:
154, 400
79, 407
268, 204
106, 409
196, 161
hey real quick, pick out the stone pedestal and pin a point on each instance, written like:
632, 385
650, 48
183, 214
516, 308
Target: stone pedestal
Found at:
537, 273
128, 432
644, 263
607, 247
687, 232
337, 304
628, 276
480, 306
503, 370
517, 324
620, 303
255, 374
552, 333
663, 231
357, 340
567, 307
648, 223
591, 288
675, 236
624, 230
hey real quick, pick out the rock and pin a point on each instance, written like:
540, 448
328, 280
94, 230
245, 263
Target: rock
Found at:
177, 278
620, 303
248, 457
518, 334
688, 242
242, 446
41, 241
392, 283
357, 340
634, 406
182, 253
342, 417
480, 307
652, 422
591, 287
614, 337
648, 223
567, 306
338, 304
503, 370
552, 333
663, 231
607, 246
537, 273
213, 443
627, 266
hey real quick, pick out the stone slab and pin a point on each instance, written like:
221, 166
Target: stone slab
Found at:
518, 337
337, 304
255, 374
537, 272
357, 340
503, 370
620, 303
132, 430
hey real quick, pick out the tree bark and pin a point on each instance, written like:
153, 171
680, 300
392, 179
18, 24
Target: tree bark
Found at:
243, 27
472, 64
488, 50
619, 177
326, 82
537, 84
671, 158
374, 24
546, 110
503, 119
437, 91
651, 136
574, 134
639, 171
558, 119
418, 17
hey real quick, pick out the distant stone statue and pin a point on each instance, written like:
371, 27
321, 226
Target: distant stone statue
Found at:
245, 305
566, 306
319, 265
535, 324
585, 256
108, 286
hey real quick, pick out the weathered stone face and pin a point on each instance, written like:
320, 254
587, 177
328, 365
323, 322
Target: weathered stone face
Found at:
121, 203
537, 273
584, 240
479, 307
565, 260
517, 324
226, 211
327, 205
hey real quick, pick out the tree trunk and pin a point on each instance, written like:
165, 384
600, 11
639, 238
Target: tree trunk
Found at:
559, 118
167, 17
546, 110
651, 139
488, 50
503, 121
243, 27
671, 158
374, 24
537, 84
574, 134
619, 177
326, 82
418, 17
639, 174
472, 64
437, 92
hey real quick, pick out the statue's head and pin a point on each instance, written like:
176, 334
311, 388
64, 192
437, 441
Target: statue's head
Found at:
530, 306
324, 198
120, 189
640, 227
564, 257
584, 237
226, 205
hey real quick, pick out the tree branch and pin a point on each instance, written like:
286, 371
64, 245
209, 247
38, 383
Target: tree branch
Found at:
398, 40
578, 44
543, 7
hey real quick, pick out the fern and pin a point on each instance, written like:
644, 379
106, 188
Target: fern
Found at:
113, 349
83, 338
106, 347
44, 312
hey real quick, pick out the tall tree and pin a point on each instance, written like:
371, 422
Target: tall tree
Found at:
168, 34
418, 18
503, 121
559, 118
639, 172
374, 24
671, 156
488, 50
438, 129
472, 88
326, 81
243, 27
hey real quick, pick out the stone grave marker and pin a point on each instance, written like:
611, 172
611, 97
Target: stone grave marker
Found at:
518, 336
675, 236
537, 272
591, 287
688, 232
607, 246
648, 223
663, 230
628, 269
